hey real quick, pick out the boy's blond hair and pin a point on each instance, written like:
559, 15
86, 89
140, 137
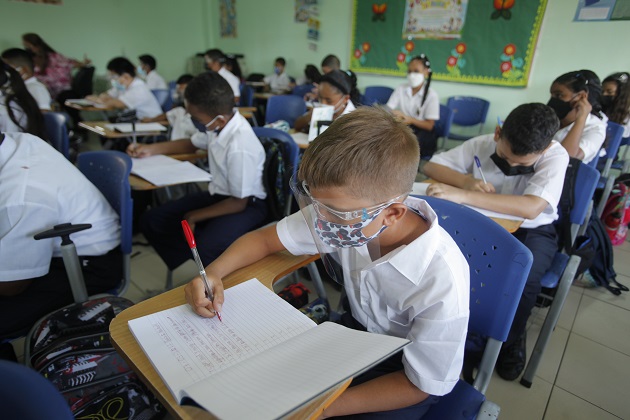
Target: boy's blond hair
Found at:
367, 152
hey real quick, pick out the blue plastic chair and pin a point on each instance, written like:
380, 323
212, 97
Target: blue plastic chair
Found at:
377, 95
442, 127
57, 132
499, 266
284, 107
302, 90
468, 111
247, 95
109, 171
563, 267
614, 135
162, 96
623, 164
292, 150
25, 394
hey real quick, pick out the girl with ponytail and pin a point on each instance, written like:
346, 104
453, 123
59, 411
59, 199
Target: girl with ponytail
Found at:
417, 105
19, 112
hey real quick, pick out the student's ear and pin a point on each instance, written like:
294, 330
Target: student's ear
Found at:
497, 133
394, 213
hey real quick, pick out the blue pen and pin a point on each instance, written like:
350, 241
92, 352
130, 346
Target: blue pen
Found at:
480, 171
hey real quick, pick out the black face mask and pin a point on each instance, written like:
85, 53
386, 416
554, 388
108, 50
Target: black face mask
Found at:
560, 107
511, 170
606, 102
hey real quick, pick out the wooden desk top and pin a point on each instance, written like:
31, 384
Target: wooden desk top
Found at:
76, 106
300, 138
267, 270
99, 127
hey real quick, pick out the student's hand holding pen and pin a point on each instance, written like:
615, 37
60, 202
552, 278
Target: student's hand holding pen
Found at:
138, 150
196, 295
473, 184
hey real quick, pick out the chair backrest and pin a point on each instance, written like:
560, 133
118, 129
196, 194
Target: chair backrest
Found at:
277, 181
162, 96
614, 135
109, 171
57, 132
442, 127
247, 95
468, 110
377, 95
284, 107
25, 394
302, 90
585, 185
82, 84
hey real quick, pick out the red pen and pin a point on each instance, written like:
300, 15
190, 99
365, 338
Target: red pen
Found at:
202, 272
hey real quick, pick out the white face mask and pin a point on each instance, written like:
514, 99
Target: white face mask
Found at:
415, 79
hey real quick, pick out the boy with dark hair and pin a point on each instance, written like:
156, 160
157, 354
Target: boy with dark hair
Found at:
178, 118
278, 82
524, 169
22, 61
146, 70
128, 91
330, 63
235, 201
402, 273
215, 61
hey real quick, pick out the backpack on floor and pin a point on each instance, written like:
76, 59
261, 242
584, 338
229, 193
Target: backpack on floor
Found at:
71, 347
616, 214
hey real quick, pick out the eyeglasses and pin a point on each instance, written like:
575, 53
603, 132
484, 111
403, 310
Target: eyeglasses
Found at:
324, 211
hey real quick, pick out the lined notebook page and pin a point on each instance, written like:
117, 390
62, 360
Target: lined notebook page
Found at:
185, 348
276, 382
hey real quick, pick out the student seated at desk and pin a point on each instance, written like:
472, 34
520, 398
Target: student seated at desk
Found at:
147, 71
128, 91
22, 62
524, 169
19, 111
179, 119
417, 105
403, 274
278, 82
235, 201
311, 76
39, 188
616, 99
329, 63
337, 89
575, 97
215, 61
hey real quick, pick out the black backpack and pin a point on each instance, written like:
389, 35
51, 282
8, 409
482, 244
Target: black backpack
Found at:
275, 178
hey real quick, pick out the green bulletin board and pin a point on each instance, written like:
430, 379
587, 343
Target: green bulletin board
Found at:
495, 45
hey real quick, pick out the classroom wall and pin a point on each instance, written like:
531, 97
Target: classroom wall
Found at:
266, 30
172, 31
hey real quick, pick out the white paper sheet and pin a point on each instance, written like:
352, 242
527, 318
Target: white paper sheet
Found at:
162, 170
140, 127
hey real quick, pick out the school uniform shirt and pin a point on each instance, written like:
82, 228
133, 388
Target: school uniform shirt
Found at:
236, 159
181, 123
419, 291
39, 92
234, 82
592, 138
6, 123
349, 108
409, 104
139, 97
546, 182
155, 81
39, 188
278, 82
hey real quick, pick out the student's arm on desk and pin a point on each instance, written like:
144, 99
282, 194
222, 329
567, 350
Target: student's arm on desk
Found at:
303, 122
449, 176
388, 392
159, 118
246, 250
409, 120
174, 147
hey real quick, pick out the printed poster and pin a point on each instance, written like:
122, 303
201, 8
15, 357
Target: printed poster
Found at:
434, 19
304, 9
227, 19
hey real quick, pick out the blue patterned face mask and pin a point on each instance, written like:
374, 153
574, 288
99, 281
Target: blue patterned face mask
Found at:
117, 85
346, 236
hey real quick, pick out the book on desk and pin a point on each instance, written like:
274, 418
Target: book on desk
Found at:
137, 127
265, 360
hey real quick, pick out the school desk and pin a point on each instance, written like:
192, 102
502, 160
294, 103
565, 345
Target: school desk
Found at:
100, 128
300, 138
268, 271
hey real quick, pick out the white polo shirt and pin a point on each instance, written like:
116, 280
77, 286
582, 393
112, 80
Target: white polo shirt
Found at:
409, 104
278, 83
181, 123
349, 108
592, 138
546, 182
236, 159
234, 82
139, 97
39, 92
155, 81
39, 188
6, 123
419, 291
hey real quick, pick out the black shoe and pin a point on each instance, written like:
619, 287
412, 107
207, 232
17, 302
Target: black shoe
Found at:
511, 361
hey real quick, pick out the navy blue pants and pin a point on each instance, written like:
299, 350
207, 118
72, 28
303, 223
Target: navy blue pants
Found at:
162, 228
389, 365
542, 242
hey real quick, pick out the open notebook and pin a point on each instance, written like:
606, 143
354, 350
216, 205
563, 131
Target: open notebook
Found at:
139, 127
265, 360
162, 170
